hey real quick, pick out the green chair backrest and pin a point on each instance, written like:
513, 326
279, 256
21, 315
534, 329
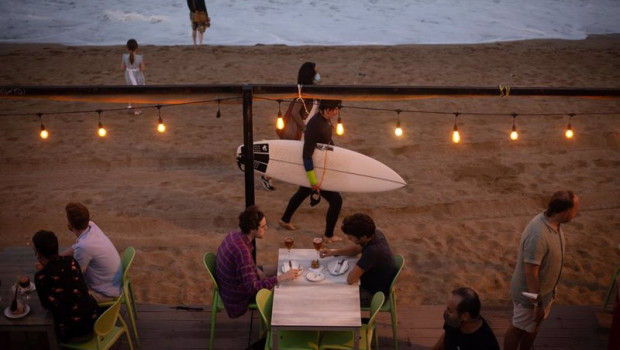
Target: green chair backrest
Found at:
128, 256
399, 260
107, 320
209, 261
375, 305
264, 301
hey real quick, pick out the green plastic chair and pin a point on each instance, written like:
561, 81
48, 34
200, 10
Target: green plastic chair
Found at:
287, 340
127, 296
345, 339
106, 331
216, 302
611, 291
390, 304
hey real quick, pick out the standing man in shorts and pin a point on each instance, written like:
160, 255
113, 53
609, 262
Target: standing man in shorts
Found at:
199, 17
538, 270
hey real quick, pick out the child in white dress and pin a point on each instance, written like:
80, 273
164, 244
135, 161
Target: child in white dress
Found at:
133, 65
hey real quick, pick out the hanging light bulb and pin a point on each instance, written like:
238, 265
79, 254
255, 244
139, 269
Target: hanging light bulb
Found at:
569, 133
456, 136
161, 127
398, 131
44, 134
514, 134
102, 131
218, 114
339, 127
280, 120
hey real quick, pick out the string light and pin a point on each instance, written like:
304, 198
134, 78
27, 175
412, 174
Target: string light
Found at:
102, 131
44, 134
514, 134
218, 114
456, 136
398, 131
280, 120
339, 127
161, 127
569, 133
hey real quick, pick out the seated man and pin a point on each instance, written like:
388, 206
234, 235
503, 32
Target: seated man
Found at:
97, 256
62, 290
236, 273
464, 328
376, 268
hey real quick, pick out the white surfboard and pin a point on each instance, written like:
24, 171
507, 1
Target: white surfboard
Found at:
337, 169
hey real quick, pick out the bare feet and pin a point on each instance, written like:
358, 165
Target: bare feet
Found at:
287, 225
332, 239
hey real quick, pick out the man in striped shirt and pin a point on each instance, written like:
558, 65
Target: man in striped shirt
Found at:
236, 272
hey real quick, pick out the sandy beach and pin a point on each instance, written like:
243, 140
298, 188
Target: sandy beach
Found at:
174, 196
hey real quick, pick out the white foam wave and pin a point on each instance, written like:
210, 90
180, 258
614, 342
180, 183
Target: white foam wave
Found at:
121, 16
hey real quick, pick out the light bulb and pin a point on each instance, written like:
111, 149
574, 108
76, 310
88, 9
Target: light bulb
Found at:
44, 134
456, 137
514, 134
569, 132
398, 131
161, 127
279, 121
102, 131
339, 127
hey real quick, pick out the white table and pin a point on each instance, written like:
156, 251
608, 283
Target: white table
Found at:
330, 304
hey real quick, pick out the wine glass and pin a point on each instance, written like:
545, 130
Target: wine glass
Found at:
288, 243
318, 243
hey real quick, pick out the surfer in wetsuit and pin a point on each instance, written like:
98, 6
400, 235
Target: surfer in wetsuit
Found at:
318, 130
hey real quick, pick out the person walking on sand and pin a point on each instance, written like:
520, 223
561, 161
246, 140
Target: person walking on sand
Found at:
297, 112
538, 270
199, 19
318, 130
133, 66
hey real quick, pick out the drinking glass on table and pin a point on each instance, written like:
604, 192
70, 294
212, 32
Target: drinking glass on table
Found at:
318, 243
288, 243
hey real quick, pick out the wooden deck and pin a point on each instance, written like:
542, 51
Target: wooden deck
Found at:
165, 327
169, 327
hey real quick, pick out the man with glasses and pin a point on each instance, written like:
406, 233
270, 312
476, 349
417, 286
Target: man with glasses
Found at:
318, 130
236, 272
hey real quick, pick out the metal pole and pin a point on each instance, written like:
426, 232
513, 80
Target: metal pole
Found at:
248, 153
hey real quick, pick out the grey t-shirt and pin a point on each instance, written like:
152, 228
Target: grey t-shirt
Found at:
541, 244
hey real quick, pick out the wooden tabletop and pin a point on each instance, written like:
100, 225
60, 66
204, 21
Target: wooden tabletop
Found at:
16, 262
329, 304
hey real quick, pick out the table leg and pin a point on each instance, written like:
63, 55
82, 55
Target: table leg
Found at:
274, 338
356, 339
51, 337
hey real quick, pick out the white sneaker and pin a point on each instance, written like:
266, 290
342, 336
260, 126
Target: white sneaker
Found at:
267, 183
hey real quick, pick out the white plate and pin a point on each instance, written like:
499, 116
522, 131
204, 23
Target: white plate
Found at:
7, 312
315, 277
295, 263
333, 268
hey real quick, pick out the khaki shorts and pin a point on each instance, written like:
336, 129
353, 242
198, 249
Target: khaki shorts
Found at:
525, 319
